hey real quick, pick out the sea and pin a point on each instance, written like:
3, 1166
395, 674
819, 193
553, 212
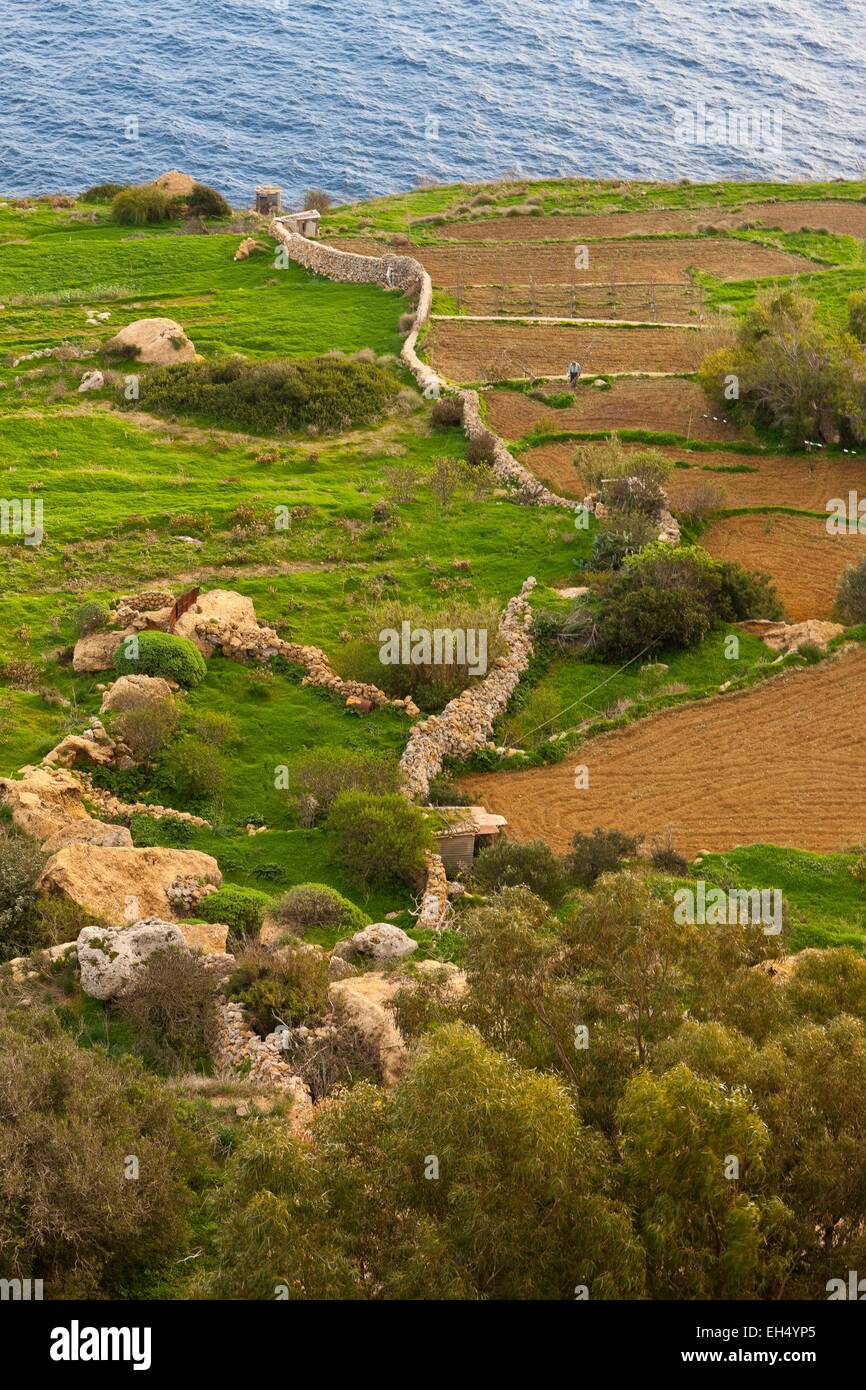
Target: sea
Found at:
367, 97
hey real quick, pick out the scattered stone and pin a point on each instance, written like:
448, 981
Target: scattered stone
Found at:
92, 381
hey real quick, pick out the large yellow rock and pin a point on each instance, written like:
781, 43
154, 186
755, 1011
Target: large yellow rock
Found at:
210, 937
157, 342
43, 801
124, 885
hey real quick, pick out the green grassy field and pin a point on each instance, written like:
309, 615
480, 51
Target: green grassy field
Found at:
133, 501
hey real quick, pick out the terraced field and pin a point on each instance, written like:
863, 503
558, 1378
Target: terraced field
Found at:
843, 216
803, 559
805, 482
675, 405
470, 351
764, 766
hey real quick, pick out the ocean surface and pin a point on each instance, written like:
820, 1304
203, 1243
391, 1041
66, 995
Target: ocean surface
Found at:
373, 96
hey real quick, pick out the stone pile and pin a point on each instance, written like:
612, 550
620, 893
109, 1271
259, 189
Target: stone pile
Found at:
466, 723
435, 904
239, 1049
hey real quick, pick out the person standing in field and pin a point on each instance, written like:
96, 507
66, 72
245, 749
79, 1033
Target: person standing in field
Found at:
573, 374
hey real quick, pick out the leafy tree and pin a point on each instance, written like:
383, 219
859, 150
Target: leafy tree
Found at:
529, 863
380, 838
520, 1206
707, 1233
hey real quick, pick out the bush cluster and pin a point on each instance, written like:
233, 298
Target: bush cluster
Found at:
274, 397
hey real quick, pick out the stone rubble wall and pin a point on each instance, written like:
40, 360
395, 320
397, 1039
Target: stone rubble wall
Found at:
237, 1045
435, 905
466, 722
263, 644
112, 805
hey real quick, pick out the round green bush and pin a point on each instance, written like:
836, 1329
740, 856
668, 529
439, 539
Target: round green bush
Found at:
316, 905
240, 909
204, 201
136, 207
90, 616
161, 654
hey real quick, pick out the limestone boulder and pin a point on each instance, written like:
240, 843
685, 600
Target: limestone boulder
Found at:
157, 342
381, 941
209, 937
112, 958
361, 1004
124, 884
95, 652
217, 609
127, 692
88, 832
43, 801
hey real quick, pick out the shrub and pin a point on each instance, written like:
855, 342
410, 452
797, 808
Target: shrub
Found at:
857, 315
193, 769
239, 909
90, 617
204, 201
21, 862
146, 725
289, 986
481, 449
102, 192
448, 410
68, 1212
609, 462
668, 860
632, 624
622, 534
326, 772
159, 831
531, 864
170, 1011
315, 905
214, 727
441, 667
161, 654
602, 852
633, 494
138, 206
851, 594
380, 838
274, 396
317, 198
696, 502
746, 593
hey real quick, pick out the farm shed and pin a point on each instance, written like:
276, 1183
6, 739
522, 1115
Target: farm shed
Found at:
306, 223
462, 831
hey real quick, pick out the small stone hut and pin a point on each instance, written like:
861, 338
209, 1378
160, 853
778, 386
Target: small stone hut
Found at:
462, 832
306, 223
268, 199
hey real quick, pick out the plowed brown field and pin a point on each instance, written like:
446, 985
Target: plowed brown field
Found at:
837, 215
780, 480
781, 763
673, 405
467, 351
797, 552
623, 261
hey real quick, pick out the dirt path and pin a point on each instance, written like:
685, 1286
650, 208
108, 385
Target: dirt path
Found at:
781, 763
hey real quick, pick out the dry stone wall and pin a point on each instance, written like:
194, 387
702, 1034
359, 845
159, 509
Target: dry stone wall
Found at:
466, 722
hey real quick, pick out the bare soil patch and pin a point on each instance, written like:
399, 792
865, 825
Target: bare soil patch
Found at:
672, 405
758, 767
797, 552
837, 215
625, 262
496, 351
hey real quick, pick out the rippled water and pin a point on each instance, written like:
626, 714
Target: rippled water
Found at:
369, 97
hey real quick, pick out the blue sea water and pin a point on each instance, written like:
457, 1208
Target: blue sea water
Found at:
371, 96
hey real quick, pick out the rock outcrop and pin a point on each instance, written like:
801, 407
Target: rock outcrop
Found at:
111, 958
381, 941
124, 884
156, 342
361, 1004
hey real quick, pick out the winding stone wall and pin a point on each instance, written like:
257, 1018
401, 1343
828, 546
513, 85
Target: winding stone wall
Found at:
466, 722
